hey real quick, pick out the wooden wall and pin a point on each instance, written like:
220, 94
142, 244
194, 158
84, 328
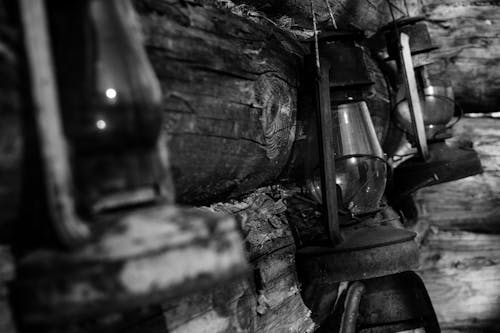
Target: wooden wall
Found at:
469, 34
460, 225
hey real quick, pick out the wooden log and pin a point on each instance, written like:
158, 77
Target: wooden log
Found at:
229, 96
461, 271
472, 203
459, 226
467, 32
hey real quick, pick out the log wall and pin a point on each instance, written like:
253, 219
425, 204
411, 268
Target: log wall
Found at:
460, 259
468, 32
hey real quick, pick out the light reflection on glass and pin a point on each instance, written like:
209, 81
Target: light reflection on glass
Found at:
111, 93
101, 124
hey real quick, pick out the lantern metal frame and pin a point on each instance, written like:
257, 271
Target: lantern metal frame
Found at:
359, 253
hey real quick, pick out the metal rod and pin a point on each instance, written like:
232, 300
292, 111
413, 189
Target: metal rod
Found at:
329, 188
56, 166
412, 96
330, 11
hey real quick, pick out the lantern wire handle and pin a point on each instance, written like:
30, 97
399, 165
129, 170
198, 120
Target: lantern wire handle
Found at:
326, 139
391, 5
316, 43
407, 9
412, 96
330, 11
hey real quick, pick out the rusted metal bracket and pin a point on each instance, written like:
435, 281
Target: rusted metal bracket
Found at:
413, 97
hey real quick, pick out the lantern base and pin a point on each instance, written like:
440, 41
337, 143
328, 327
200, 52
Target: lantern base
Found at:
148, 256
446, 163
365, 253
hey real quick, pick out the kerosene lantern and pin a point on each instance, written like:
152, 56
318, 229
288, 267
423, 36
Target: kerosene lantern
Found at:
424, 110
101, 152
353, 179
111, 112
353, 173
360, 166
104, 176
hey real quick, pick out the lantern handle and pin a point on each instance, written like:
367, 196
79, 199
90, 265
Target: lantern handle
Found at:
326, 138
70, 229
412, 96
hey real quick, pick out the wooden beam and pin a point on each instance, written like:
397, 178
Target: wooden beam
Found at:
230, 96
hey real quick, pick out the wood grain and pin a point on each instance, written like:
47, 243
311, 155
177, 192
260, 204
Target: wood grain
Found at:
468, 33
230, 96
471, 203
460, 225
461, 271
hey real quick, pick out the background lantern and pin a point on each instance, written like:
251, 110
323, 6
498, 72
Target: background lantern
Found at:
424, 110
360, 167
351, 162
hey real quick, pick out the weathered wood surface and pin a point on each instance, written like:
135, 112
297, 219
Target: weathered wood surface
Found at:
472, 203
270, 300
230, 98
460, 231
461, 271
468, 33
360, 14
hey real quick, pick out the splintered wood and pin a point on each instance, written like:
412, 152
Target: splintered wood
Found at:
268, 301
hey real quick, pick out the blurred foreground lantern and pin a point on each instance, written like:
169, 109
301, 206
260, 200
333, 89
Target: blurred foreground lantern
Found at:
110, 106
118, 239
